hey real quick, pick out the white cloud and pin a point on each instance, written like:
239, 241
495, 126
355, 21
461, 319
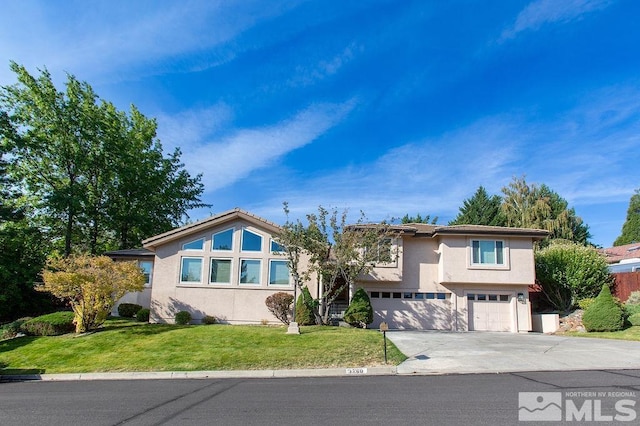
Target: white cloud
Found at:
542, 12
305, 76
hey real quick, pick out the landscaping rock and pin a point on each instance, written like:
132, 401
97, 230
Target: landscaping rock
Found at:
572, 322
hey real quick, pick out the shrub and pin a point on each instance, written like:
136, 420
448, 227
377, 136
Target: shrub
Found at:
183, 318
53, 324
635, 319
631, 308
128, 310
279, 304
603, 314
359, 313
143, 315
634, 298
304, 308
209, 319
10, 330
585, 303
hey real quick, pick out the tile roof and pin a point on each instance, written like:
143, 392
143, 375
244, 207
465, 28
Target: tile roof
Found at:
627, 251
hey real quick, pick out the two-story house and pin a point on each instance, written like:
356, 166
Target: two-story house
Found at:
441, 278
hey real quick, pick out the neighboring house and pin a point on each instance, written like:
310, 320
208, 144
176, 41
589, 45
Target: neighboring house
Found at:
624, 258
458, 278
145, 259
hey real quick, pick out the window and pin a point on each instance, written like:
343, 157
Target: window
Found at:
279, 272
147, 268
375, 294
277, 247
493, 297
441, 296
194, 245
504, 297
482, 297
222, 240
397, 295
408, 295
471, 296
386, 295
250, 271
487, 252
220, 271
431, 295
191, 270
251, 241
384, 251
419, 296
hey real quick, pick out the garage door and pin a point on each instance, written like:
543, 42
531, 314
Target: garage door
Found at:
489, 312
412, 311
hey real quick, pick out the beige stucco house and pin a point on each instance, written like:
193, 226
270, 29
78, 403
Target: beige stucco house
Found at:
458, 278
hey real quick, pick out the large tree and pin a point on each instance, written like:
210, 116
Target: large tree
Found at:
530, 206
631, 228
97, 176
480, 209
419, 219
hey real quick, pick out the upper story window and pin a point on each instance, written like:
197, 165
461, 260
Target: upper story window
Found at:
194, 245
277, 247
222, 240
147, 268
487, 252
251, 241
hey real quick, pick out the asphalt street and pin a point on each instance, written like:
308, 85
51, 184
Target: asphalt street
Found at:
473, 399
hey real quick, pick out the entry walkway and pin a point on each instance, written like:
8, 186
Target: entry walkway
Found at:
436, 352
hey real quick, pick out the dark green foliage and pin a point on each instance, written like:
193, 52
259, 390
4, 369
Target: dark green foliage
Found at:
279, 304
304, 308
128, 310
480, 210
631, 228
143, 315
183, 318
11, 329
604, 314
359, 313
53, 324
209, 319
634, 320
419, 219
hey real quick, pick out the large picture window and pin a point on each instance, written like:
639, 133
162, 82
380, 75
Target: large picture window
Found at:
251, 241
279, 272
250, 271
222, 240
220, 271
487, 252
191, 270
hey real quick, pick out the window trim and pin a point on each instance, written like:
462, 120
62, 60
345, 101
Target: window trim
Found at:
182, 258
220, 232
230, 270
259, 283
242, 249
271, 262
495, 241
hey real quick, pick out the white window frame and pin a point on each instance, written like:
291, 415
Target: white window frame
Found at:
230, 270
201, 259
149, 282
221, 232
259, 283
242, 241
271, 248
191, 242
495, 242
271, 262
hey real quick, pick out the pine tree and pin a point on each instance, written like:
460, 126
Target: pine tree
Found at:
631, 228
480, 210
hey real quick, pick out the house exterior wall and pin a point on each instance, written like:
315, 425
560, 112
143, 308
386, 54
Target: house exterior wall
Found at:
232, 302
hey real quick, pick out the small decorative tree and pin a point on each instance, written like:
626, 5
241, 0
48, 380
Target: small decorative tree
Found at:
604, 314
359, 313
92, 285
279, 304
304, 308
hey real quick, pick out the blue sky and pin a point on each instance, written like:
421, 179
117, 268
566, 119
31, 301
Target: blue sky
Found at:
390, 107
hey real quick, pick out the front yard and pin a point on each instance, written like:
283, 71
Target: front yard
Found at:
130, 346
631, 333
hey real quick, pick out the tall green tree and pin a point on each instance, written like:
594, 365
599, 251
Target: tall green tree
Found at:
631, 228
98, 176
530, 206
419, 219
480, 209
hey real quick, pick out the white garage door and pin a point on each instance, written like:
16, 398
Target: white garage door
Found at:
411, 310
489, 312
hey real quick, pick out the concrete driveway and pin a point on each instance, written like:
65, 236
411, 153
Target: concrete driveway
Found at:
437, 352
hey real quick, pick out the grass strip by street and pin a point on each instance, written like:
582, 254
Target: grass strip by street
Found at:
631, 333
129, 346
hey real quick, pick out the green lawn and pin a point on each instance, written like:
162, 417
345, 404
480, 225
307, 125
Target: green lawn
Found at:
130, 346
631, 333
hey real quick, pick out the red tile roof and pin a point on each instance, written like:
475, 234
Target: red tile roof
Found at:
627, 251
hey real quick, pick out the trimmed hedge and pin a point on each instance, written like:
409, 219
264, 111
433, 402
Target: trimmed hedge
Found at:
183, 318
209, 319
359, 313
604, 314
10, 330
53, 324
128, 310
143, 315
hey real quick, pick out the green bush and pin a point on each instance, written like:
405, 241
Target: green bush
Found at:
128, 310
585, 303
53, 324
635, 319
359, 313
604, 314
304, 308
183, 318
209, 319
143, 315
10, 330
631, 308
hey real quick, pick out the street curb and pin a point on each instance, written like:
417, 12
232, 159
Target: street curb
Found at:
218, 374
